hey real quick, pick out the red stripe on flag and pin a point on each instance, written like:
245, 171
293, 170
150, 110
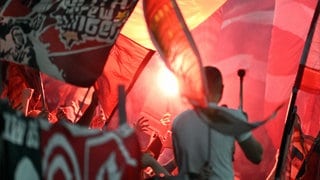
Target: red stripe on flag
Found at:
310, 80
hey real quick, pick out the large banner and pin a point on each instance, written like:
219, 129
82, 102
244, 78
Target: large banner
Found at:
69, 40
35, 149
20, 146
174, 42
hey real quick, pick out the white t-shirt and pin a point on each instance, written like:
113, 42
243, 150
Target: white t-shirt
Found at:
191, 140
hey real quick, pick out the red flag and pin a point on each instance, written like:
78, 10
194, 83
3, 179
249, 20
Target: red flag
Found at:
68, 40
36, 149
125, 62
89, 154
286, 48
174, 42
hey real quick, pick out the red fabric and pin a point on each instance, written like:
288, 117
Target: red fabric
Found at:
15, 84
310, 80
266, 39
299, 147
285, 52
312, 162
64, 39
72, 151
124, 65
269, 48
174, 43
312, 167
59, 93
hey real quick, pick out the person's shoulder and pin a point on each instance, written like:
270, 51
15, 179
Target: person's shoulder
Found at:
184, 116
236, 112
226, 109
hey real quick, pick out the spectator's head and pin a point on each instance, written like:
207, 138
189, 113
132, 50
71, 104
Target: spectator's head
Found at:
214, 83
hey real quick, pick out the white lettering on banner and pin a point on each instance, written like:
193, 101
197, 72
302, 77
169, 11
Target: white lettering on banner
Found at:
92, 26
16, 129
74, 2
96, 20
59, 141
33, 140
110, 168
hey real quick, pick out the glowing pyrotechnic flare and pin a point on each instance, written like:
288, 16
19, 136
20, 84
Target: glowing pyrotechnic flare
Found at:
167, 82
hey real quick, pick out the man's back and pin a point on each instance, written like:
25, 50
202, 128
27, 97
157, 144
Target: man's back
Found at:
191, 140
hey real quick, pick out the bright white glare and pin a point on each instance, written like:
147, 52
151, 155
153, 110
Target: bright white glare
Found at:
167, 82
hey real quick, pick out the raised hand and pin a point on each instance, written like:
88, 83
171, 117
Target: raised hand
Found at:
141, 125
167, 140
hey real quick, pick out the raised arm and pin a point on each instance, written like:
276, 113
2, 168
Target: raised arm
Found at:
234, 122
252, 149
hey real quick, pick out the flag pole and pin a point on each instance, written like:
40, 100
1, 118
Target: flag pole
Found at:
122, 105
292, 109
241, 74
43, 97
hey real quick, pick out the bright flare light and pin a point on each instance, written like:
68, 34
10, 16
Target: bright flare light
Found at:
167, 82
